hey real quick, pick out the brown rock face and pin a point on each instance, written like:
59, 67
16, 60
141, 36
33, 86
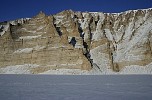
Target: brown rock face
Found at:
78, 40
40, 41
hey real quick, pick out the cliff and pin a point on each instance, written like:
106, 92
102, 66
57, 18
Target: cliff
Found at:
78, 40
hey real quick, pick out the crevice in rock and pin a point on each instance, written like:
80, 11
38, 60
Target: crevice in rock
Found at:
1, 28
96, 21
58, 30
96, 67
150, 48
111, 48
88, 56
73, 41
122, 37
87, 48
14, 35
81, 32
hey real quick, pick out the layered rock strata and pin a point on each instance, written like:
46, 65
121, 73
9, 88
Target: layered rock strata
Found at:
78, 40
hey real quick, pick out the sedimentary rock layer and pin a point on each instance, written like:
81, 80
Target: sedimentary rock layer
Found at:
78, 40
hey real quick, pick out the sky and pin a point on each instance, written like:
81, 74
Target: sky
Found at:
15, 9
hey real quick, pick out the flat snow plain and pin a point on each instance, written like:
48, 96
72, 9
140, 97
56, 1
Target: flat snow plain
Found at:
70, 87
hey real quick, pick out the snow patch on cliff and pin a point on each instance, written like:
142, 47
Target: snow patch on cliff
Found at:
29, 37
3, 29
25, 50
19, 21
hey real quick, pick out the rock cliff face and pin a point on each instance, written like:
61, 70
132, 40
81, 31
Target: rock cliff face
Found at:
78, 40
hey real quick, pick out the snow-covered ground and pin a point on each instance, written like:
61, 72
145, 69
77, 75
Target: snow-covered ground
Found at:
64, 87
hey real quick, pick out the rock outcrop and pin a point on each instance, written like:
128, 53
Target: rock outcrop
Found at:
78, 40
